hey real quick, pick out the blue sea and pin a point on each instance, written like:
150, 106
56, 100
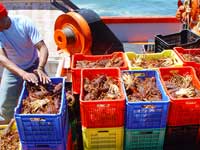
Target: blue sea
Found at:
130, 7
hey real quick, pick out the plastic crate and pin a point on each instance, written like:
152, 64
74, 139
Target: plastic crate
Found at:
153, 56
181, 147
182, 111
185, 39
76, 72
180, 51
144, 139
182, 135
102, 113
103, 138
139, 117
49, 145
44, 146
42, 128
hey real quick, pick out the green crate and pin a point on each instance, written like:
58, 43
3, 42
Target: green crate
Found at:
144, 139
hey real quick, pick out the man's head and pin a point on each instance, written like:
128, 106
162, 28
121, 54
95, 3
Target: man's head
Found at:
4, 19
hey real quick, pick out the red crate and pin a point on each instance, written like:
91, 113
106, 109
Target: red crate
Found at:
102, 113
182, 111
76, 72
180, 51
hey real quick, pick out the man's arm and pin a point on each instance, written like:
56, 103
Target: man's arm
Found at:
5, 62
43, 56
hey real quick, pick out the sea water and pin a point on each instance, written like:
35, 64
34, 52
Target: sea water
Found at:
130, 7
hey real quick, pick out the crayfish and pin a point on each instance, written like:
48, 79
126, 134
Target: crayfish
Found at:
101, 88
9, 140
42, 99
101, 63
139, 89
141, 61
180, 86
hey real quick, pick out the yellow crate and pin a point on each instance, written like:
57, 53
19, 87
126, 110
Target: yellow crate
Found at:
103, 138
14, 127
155, 56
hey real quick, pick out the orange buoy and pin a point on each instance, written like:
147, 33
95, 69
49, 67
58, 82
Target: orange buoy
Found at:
72, 33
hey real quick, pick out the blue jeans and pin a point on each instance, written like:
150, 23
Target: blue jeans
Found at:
10, 89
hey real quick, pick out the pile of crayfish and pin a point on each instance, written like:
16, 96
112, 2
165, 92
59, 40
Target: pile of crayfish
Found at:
139, 89
190, 57
9, 139
141, 61
101, 88
42, 99
101, 63
181, 86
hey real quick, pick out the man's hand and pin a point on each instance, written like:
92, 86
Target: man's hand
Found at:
42, 76
30, 77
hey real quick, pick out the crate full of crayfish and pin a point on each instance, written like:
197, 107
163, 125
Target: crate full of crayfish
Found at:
153, 61
146, 100
190, 57
183, 88
41, 114
102, 101
80, 61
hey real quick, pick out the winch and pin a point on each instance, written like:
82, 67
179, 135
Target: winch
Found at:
83, 31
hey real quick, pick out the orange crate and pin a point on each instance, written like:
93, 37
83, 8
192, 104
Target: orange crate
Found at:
182, 111
180, 51
102, 113
76, 72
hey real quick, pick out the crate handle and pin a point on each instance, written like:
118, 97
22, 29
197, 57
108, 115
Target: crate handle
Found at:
103, 131
139, 75
103, 105
42, 146
146, 132
173, 71
37, 119
150, 106
190, 102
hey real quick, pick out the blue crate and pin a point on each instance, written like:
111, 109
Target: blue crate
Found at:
138, 117
50, 128
61, 145
52, 146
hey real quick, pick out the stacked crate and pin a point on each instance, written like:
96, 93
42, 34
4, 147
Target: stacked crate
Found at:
76, 72
183, 130
102, 120
145, 126
43, 131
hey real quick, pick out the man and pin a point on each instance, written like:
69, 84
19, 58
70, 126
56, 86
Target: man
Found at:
19, 42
